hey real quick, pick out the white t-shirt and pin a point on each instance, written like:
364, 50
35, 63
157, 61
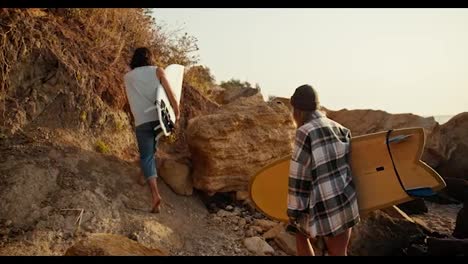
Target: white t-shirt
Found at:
141, 85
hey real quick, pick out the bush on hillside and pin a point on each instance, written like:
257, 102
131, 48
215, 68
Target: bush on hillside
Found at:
199, 77
91, 46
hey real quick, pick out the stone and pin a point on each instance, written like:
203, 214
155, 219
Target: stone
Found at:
177, 175
258, 246
287, 242
242, 195
242, 222
378, 234
223, 213
461, 225
273, 232
230, 145
455, 147
264, 224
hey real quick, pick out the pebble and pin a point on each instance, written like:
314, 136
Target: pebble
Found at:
223, 213
8, 223
229, 208
258, 246
258, 215
249, 233
242, 222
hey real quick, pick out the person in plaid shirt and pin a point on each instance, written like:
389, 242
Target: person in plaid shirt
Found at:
322, 199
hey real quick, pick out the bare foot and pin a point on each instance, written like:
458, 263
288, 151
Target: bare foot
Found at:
156, 207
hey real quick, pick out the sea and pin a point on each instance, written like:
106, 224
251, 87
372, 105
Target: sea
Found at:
442, 118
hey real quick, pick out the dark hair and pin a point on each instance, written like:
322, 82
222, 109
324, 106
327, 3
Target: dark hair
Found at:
305, 98
141, 57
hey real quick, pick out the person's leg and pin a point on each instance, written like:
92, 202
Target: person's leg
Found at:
303, 246
338, 245
155, 194
146, 145
140, 178
157, 133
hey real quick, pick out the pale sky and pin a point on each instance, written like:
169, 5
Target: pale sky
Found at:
396, 60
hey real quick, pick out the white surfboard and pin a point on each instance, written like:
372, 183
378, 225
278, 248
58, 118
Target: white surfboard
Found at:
166, 115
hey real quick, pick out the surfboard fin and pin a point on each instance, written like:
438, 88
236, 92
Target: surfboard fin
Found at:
398, 139
420, 192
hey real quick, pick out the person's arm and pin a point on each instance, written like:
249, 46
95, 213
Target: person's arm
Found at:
167, 87
300, 176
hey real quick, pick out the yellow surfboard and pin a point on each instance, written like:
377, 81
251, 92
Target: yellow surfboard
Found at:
387, 170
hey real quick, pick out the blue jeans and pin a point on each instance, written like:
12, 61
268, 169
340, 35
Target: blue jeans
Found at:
147, 136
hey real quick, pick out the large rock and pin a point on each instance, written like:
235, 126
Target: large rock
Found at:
282, 100
111, 245
234, 93
456, 188
177, 175
224, 96
174, 156
378, 234
363, 122
258, 246
461, 226
454, 134
192, 104
230, 145
447, 247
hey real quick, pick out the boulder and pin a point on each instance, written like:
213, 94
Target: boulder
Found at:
456, 188
192, 104
362, 122
177, 175
102, 244
230, 145
447, 247
461, 225
455, 133
282, 100
224, 96
379, 234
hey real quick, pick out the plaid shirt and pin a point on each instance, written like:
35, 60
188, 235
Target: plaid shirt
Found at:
321, 194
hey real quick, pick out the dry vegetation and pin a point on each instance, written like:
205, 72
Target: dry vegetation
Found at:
92, 46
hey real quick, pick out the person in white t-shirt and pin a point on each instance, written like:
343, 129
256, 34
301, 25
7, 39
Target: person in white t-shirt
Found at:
141, 84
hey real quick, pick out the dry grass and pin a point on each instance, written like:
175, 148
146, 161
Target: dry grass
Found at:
91, 45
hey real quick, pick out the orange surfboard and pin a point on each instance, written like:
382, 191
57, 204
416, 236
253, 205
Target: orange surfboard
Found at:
387, 170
